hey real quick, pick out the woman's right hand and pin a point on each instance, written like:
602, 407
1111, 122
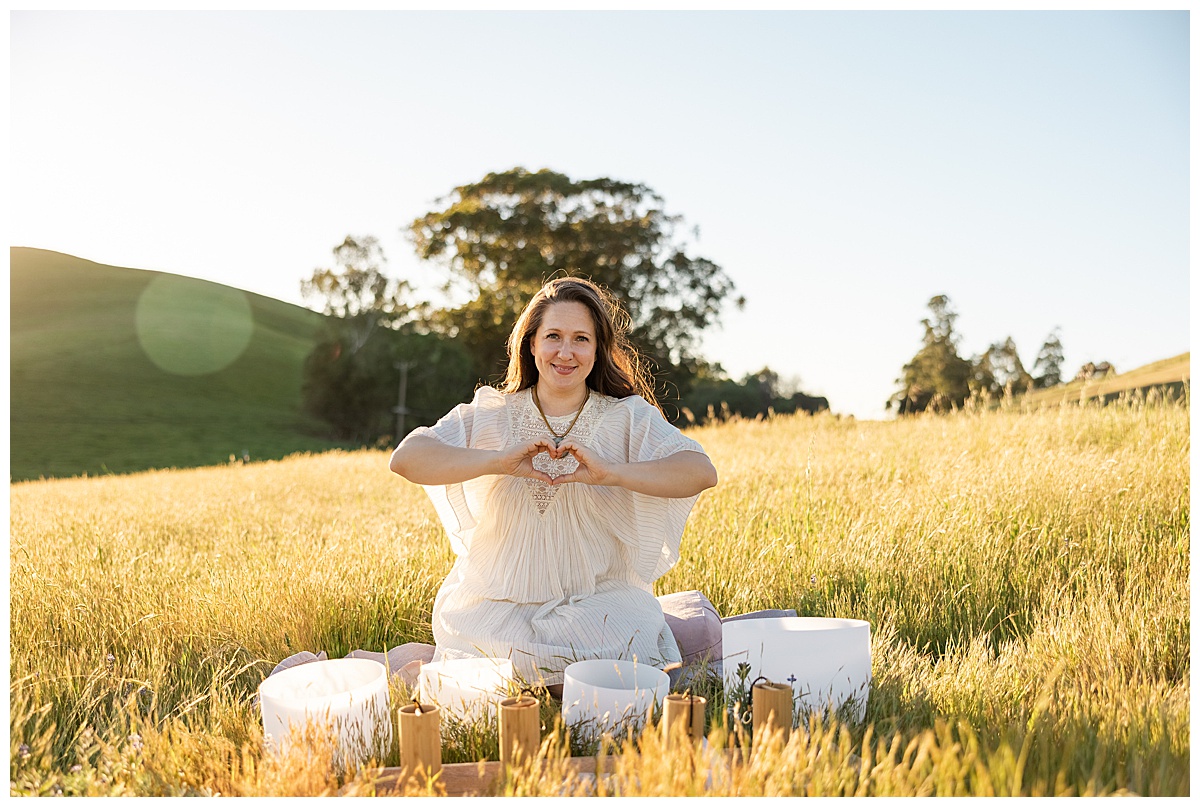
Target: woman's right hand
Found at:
518, 460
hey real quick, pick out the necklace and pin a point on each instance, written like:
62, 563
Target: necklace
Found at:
558, 438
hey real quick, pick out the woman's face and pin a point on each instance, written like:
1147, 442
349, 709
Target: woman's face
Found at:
564, 347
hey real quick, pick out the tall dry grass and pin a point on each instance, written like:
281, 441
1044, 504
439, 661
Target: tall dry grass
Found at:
1025, 576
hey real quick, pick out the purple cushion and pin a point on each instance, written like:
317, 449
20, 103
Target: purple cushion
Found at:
695, 623
768, 613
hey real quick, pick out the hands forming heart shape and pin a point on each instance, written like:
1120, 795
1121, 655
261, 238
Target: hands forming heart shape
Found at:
554, 462
557, 465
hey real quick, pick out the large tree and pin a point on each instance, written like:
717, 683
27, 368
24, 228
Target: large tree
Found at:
505, 235
937, 378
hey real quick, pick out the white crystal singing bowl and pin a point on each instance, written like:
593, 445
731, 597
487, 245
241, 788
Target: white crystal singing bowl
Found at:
827, 661
350, 693
466, 688
602, 694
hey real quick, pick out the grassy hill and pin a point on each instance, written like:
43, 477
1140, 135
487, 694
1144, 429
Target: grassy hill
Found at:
86, 396
1170, 374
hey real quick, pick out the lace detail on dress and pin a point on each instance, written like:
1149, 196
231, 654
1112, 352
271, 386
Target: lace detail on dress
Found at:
525, 424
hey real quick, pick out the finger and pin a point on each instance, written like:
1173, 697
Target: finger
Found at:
543, 444
571, 477
581, 456
527, 471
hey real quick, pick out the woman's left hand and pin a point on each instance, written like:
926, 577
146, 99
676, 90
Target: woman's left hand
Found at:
592, 469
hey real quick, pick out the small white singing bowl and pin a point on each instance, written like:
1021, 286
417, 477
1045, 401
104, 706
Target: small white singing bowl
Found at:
350, 693
602, 694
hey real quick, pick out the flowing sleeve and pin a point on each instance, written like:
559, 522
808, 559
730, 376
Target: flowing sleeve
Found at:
482, 423
649, 528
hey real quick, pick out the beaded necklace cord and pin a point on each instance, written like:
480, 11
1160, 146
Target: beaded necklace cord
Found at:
558, 438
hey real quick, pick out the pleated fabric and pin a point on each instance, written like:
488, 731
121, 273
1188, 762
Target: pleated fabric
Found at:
550, 575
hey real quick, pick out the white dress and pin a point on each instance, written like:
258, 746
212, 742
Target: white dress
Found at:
550, 575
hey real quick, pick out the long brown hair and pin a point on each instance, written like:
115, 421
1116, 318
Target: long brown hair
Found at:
619, 371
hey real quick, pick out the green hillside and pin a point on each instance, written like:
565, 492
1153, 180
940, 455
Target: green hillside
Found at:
87, 397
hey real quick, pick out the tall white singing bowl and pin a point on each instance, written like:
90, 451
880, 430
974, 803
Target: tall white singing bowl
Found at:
349, 693
827, 661
608, 696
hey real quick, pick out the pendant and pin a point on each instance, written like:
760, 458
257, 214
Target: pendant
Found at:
558, 441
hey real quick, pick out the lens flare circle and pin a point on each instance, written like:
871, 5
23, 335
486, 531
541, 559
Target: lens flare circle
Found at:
191, 327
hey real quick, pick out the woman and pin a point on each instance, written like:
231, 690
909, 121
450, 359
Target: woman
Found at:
564, 495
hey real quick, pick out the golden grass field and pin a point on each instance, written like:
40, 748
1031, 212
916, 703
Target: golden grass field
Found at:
1025, 575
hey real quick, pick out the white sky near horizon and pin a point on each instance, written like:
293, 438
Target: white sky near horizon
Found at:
842, 167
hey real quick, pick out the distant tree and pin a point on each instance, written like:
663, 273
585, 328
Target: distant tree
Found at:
1048, 365
802, 402
715, 396
505, 235
358, 292
1003, 365
766, 384
982, 382
937, 378
350, 379
355, 392
346, 385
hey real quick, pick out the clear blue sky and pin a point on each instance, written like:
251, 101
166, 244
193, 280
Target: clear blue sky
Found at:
843, 167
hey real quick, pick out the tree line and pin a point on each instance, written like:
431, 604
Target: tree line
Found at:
500, 239
938, 379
